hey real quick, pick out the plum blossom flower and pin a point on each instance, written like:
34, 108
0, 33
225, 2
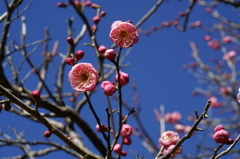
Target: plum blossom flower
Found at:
124, 78
214, 102
126, 131
123, 34
109, 88
172, 118
230, 55
221, 136
117, 148
168, 138
169, 148
83, 77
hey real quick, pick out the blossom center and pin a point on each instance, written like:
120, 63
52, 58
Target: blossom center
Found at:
123, 34
84, 77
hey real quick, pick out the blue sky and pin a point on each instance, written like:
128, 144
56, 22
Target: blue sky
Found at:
155, 62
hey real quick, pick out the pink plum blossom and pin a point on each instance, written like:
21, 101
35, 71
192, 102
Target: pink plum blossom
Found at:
124, 78
221, 136
227, 39
214, 102
123, 34
230, 55
36, 94
126, 131
172, 118
214, 44
109, 88
83, 77
117, 148
110, 54
169, 148
168, 138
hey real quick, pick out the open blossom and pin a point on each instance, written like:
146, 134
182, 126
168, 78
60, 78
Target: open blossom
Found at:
123, 34
168, 138
83, 77
169, 148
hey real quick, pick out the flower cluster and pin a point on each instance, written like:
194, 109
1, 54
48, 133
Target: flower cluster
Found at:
83, 77
109, 88
221, 135
123, 34
126, 133
168, 140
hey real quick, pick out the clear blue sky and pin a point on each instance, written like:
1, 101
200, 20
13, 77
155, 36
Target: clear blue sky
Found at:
155, 62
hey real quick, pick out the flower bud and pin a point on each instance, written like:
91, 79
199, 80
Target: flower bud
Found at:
221, 136
104, 128
47, 133
102, 14
108, 88
110, 54
88, 3
70, 40
117, 148
96, 19
79, 55
102, 49
36, 94
126, 131
70, 61
124, 78
127, 141
123, 153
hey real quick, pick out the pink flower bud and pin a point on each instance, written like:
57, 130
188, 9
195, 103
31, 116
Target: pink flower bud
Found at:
61, 5
214, 44
165, 24
168, 138
227, 39
124, 78
104, 128
221, 136
95, 6
109, 88
47, 133
181, 14
172, 118
127, 141
117, 148
126, 131
208, 10
102, 49
102, 14
7, 106
169, 148
110, 54
70, 61
70, 40
96, 19
36, 94
88, 3
214, 102
207, 37
224, 91
123, 153
79, 55
179, 128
